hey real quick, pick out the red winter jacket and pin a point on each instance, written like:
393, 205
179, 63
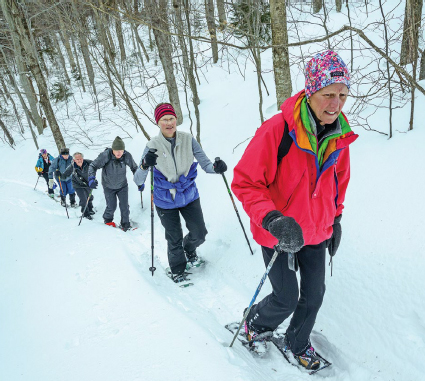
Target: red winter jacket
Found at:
297, 187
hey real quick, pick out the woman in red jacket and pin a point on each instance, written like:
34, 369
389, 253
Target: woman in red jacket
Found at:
292, 181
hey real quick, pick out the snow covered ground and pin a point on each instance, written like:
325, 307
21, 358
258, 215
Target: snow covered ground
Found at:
79, 302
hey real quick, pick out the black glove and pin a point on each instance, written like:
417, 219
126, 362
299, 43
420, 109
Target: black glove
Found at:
286, 230
141, 187
335, 240
58, 173
219, 166
150, 159
40, 174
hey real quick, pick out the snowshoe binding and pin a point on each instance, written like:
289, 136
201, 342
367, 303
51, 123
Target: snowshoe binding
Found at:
193, 260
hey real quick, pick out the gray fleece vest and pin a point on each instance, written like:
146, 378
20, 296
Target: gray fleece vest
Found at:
171, 168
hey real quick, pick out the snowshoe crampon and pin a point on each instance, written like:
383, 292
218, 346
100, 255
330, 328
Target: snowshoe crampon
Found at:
279, 340
181, 279
257, 344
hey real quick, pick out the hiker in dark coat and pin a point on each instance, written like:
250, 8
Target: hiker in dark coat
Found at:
113, 162
79, 169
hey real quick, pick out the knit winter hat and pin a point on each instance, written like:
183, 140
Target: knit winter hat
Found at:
323, 70
65, 151
164, 109
118, 144
43, 151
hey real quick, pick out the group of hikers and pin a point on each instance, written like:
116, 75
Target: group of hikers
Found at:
291, 181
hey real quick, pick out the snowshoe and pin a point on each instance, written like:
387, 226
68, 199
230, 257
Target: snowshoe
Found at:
112, 223
308, 359
257, 341
182, 279
193, 260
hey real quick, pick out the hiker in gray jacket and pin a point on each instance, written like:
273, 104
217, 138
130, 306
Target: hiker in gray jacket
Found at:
172, 154
113, 162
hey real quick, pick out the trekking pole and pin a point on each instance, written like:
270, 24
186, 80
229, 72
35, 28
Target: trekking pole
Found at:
276, 253
141, 198
152, 269
60, 184
88, 198
37, 182
236, 209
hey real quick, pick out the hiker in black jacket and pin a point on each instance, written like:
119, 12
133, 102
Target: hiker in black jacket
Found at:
113, 162
79, 168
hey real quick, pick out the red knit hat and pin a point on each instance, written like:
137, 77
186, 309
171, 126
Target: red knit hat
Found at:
164, 109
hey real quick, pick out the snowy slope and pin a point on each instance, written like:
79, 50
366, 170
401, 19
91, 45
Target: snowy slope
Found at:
79, 302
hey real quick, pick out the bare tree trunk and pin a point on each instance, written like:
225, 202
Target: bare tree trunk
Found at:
61, 58
15, 110
28, 115
7, 133
158, 14
188, 62
351, 38
221, 14
317, 6
65, 42
282, 73
22, 70
422, 68
108, 49
412, 23
209, 14
388, 73
120, 38
338, 5
77, 60
15, 18
140, 42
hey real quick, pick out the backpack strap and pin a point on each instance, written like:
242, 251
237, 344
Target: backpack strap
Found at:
285, 144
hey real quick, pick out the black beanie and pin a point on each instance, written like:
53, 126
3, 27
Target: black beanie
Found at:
118, 144
65, 151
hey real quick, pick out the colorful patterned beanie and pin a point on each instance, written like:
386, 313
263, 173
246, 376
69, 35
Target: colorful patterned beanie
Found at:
323, 70
164, 109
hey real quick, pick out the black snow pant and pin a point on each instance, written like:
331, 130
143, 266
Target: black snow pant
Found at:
177, 245
111, 196
46, 177
283, 301
83, 194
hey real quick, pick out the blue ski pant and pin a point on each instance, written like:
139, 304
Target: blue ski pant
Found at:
66, 187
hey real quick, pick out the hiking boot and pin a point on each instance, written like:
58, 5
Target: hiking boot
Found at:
308, 359
72, 200
63, 201
257, 340
193, 260
177, 278
125, 227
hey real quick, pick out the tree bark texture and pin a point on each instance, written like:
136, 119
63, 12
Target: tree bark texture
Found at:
282, 73
412, 23
209, 14
317, 6
7, 133
338, 5
159, 17
422, 68
15, 18
221, 14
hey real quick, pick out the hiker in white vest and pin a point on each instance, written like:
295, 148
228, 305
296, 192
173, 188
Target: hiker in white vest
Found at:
172, 155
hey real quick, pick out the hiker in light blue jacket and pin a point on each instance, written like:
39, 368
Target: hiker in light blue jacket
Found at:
57, 169
175, 190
